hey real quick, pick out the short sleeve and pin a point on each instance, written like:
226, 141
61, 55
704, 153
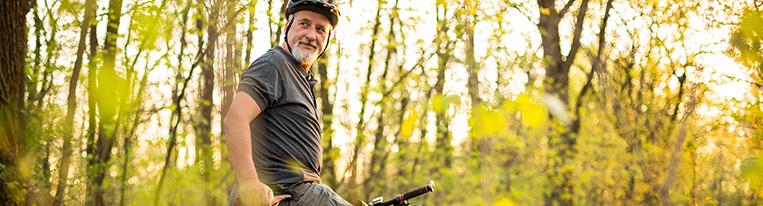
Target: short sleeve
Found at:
261, 82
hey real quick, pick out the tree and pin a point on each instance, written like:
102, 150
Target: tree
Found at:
556, 84
108, 82
380, 142
444, 45
746, 40
360, 136
12, 87
71, 102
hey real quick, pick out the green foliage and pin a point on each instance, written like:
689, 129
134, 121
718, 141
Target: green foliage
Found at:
441, 103
185, 186
748, 39
10, 176
501, 152
752, 172
151, 24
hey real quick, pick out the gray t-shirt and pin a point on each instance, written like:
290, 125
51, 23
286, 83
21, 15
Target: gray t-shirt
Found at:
286, 135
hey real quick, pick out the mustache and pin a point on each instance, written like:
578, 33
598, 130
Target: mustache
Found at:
308, 42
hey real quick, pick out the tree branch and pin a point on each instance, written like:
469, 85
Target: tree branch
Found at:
576, 38
567, 7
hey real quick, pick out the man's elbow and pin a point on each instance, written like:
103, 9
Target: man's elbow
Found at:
230, 121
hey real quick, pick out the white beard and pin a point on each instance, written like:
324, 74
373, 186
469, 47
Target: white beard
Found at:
302, 56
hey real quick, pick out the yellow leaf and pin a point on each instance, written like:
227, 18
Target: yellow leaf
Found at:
504, 202
406, 129
534, 114
485, 122
545, 11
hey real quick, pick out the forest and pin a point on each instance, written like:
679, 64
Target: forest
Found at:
500, 102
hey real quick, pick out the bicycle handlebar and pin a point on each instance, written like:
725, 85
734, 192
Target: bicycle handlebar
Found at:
401, 199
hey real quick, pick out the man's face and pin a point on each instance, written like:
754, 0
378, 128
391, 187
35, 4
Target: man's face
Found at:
308, 35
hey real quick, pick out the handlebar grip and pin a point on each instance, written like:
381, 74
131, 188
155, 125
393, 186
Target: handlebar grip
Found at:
408, 195
419, 191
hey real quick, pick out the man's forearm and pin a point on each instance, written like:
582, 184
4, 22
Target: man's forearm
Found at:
237, 138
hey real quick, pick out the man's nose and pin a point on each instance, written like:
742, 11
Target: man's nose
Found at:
312, 35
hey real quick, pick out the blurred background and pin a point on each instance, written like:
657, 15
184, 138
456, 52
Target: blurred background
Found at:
500, 102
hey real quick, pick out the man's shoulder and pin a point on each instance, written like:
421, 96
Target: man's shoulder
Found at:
274, 55
269, 60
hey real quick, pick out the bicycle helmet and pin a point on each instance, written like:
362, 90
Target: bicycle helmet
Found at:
329, 10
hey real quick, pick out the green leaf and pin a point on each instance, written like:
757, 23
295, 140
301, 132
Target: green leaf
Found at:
441, 103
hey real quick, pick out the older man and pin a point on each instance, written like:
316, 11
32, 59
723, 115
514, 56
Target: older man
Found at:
272, 128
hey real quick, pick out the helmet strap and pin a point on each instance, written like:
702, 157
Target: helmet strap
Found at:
286, 33
327, 43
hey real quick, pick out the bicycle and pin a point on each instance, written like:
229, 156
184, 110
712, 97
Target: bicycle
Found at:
402, 199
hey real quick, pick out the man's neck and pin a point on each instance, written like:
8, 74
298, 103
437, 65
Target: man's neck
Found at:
305, 66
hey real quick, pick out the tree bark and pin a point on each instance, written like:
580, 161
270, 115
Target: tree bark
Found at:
12, 87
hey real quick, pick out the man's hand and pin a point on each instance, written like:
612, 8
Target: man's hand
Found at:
254, 193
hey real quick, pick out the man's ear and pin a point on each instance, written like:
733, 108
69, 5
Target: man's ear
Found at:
289, 20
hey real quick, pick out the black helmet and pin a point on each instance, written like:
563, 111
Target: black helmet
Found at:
329, 10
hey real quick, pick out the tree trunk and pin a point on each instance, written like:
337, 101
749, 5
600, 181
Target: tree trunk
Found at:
360, 137
204, 125
34, 74
108, 107
178, 92
556, 84
12, 87
278, 25
232, 64
135, 108
471, 62
250, 30
92, 91
376, 166
444, 149
328, 171
71, 103
231, 69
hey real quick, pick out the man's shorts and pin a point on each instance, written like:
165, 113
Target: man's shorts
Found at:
303, 194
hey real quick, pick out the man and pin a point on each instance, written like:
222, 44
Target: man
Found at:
272, 128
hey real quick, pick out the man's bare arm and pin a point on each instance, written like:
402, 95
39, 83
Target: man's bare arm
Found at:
243, 109
252, 191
